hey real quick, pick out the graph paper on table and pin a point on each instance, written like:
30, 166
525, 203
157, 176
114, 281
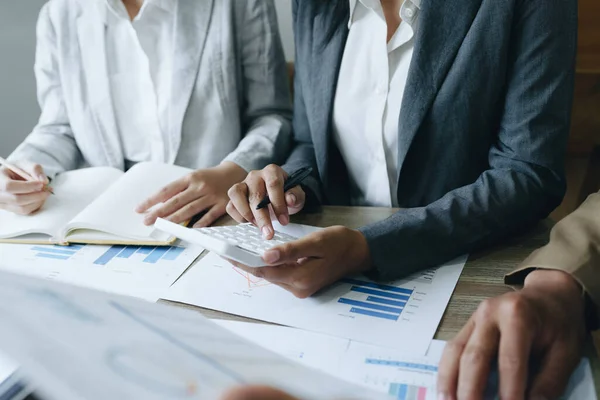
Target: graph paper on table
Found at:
402, 314
143, 272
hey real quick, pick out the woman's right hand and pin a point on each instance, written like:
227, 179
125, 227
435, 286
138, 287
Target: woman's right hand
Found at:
245, 197
23, 197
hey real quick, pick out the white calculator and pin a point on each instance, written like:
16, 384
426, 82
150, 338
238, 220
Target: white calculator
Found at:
243, 243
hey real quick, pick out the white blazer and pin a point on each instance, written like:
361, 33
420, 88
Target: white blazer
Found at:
231, 97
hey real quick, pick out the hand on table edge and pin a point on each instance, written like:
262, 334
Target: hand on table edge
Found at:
544, 321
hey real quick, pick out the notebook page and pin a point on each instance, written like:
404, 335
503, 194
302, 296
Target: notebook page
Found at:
73, 191
114, 211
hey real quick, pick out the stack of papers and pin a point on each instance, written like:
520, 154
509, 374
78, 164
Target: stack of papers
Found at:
357, 339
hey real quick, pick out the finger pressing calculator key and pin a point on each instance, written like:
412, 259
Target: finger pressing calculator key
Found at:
243, 243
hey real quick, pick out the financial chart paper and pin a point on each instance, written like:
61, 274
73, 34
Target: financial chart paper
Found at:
403, 315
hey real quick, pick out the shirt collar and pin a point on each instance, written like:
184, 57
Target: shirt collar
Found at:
117, 7
409, 11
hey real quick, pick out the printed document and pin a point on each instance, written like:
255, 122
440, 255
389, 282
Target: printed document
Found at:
139, 271
76, 343
403, 314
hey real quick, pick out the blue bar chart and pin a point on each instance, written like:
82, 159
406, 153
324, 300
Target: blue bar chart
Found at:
376, 300
407, 392
151, 255
61, 253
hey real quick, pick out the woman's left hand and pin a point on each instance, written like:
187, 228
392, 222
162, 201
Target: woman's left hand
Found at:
202, 190
309, 264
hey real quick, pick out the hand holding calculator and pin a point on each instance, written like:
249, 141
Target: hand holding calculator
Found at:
243, 243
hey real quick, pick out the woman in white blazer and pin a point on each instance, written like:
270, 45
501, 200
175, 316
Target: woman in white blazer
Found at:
197, 83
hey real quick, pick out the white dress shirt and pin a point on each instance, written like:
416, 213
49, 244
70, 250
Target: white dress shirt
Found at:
139, 61
369, 95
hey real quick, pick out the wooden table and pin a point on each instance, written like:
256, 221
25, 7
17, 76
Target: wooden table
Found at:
482, 277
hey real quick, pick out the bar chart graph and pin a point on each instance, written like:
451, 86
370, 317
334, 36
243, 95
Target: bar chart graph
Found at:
60, 253
149, 255
376, 300
402, 378
401, 391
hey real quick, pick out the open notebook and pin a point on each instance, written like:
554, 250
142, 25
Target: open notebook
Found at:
94, 206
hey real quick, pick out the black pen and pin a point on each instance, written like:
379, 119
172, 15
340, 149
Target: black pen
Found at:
294, 180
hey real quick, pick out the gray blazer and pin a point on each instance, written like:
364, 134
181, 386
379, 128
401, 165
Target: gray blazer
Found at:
483, 125
230, 89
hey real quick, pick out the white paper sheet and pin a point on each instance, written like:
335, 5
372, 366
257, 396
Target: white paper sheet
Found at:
403, 314
7, 369
382, 369
128, 270
80, 344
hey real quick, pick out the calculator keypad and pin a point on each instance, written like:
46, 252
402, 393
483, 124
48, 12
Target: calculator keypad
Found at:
247, 237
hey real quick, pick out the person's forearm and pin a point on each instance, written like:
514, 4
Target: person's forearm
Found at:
573, 249
463, 221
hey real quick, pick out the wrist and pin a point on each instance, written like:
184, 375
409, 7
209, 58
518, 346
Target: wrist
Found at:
552, 279
558, 284
231, 171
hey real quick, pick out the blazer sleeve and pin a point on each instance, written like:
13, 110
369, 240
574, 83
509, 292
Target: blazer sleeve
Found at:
267, 110
51, 143
574, 247
303, 151
525, 179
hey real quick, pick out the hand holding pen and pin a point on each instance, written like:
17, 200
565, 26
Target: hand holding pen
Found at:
24, 188
265, 194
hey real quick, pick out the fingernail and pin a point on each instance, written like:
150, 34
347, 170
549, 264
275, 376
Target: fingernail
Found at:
291, 199
266, 231
284, 219
442, 396
272, 256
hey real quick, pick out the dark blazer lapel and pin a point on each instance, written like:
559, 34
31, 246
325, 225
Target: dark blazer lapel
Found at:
326, 61
442, 28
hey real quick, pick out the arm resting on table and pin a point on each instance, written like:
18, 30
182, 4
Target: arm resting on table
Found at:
574, 247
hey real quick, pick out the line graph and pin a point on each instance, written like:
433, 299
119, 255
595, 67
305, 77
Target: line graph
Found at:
252, 281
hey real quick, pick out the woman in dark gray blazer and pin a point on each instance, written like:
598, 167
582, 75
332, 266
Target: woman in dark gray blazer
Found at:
456, 112
480, 133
